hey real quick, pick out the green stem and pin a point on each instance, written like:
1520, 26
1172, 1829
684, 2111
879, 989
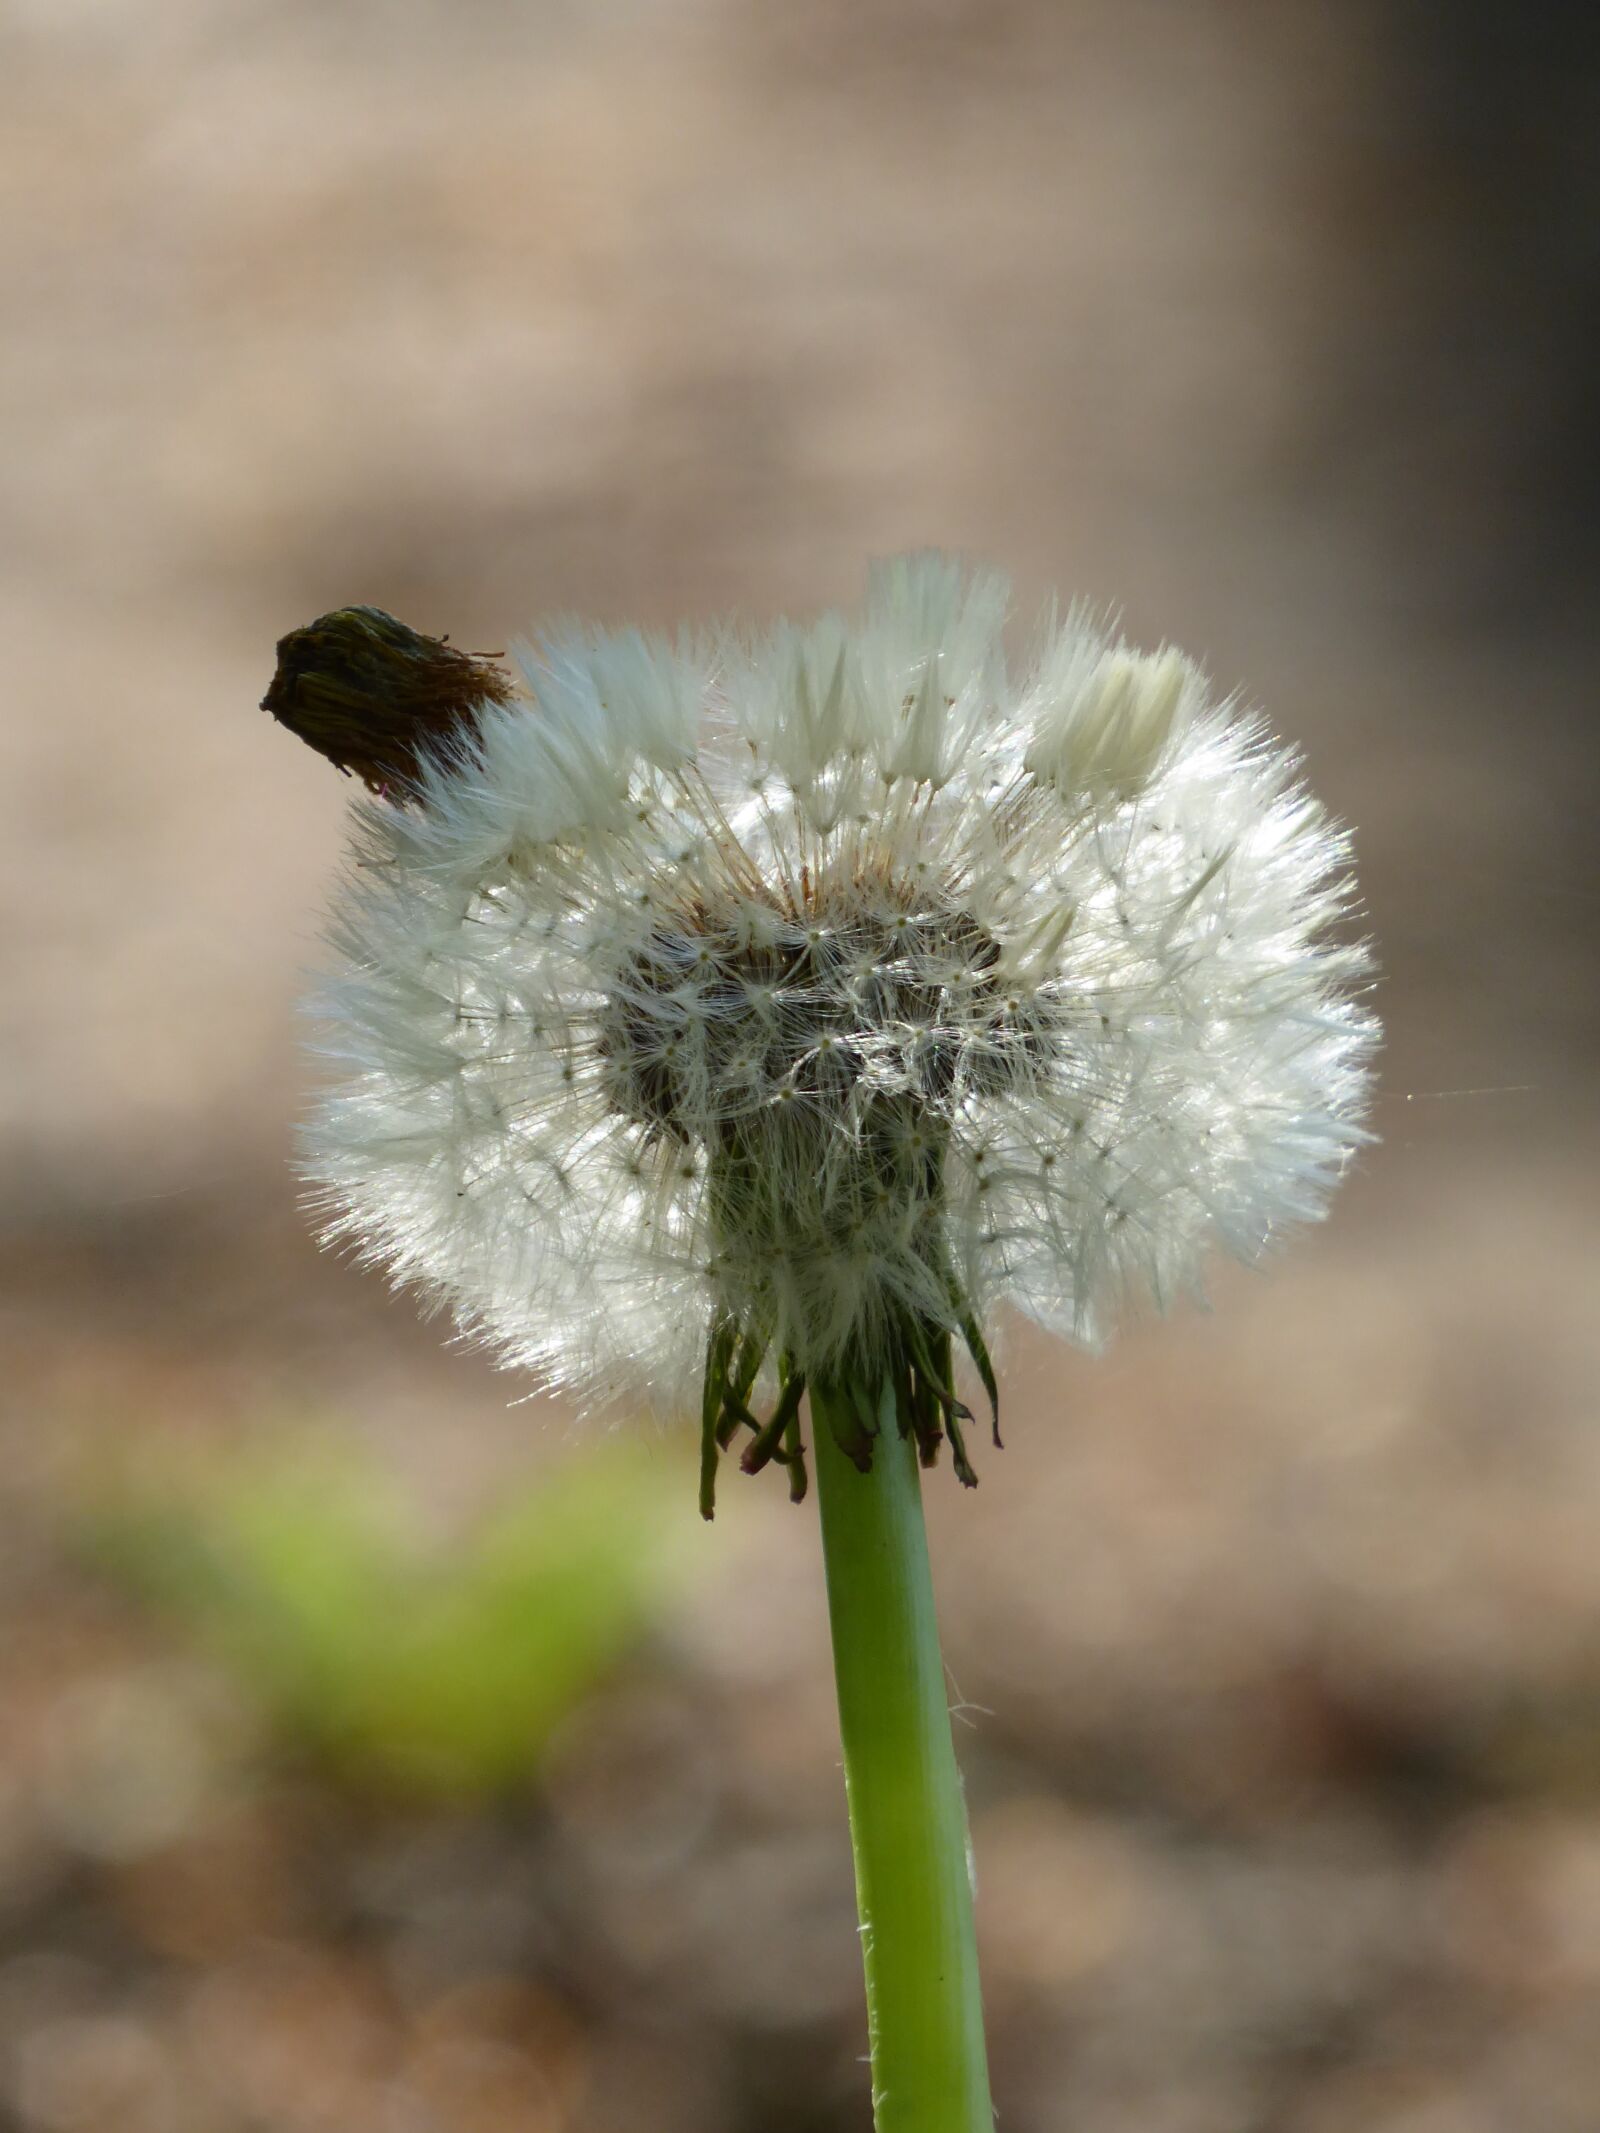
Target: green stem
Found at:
908, 1822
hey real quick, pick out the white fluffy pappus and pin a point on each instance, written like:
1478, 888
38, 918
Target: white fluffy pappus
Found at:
832, 977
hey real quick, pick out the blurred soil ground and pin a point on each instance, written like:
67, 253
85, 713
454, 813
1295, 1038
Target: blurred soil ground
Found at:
1276, 1632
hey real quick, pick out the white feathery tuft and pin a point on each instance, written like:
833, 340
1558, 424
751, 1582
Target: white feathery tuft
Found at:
812, 977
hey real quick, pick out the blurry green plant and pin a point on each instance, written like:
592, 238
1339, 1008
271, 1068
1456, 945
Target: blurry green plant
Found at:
439, 1669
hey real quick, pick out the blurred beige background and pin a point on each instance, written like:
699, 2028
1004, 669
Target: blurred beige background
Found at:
1277, 1632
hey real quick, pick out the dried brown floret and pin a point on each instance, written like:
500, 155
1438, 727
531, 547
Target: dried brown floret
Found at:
375, 696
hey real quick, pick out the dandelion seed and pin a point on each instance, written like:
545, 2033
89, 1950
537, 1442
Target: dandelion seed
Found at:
828, 982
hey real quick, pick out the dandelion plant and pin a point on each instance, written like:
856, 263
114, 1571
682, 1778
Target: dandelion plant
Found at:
733, 1022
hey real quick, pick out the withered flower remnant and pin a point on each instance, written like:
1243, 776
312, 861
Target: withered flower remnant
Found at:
374, 696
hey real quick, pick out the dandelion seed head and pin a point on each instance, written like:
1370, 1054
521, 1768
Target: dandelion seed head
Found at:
815, 975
